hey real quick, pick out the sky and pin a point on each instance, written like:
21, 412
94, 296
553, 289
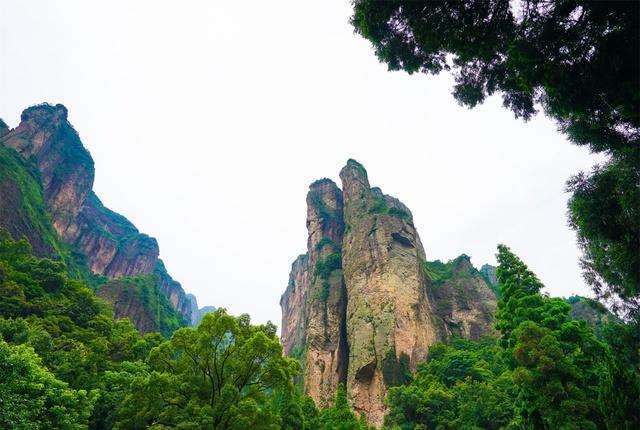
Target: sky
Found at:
207, 121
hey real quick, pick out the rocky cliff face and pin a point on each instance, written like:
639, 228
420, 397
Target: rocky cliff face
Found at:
363, 305
109, 244
314, 303
464, 300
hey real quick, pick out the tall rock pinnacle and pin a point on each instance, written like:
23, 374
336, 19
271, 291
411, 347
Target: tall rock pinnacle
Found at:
363, 305
389, 315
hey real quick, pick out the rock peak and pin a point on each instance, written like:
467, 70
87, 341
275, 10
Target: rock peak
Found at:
321, 183
363, 305
44, 112
354, 172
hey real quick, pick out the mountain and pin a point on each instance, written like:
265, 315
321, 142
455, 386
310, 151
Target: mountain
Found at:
363, 304
46, 196
198, 313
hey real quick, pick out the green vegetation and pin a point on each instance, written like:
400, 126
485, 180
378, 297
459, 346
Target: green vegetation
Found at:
325, 266
361, 170
65, 363
218, 375
326, 242
611, 261
437, 271
463, 385
60, 321
577, 61
380, 207
23, 175
440, 272
395, 371
32, 395
338, 417
545, 371
324, 211
146, 290
399, 213
13, 169
324, 269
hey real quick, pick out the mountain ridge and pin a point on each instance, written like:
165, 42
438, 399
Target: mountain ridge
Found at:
46, 152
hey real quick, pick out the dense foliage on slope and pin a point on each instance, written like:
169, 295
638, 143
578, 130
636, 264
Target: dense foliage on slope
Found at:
48, 313
545, 371
139, 298
66, 363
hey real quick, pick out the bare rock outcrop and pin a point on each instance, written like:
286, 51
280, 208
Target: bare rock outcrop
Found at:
314, 303
390, 321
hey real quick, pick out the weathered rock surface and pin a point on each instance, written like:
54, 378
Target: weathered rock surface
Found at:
293, 303
361, 306
464, 300
314, 303
66, 168
326, 349
22, 209
390, 321
109, 243
128, 303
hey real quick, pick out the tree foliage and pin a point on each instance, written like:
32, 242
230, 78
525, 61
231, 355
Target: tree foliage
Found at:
32, 398
578, 60
463, 385
546, 370
611, 244
214, 376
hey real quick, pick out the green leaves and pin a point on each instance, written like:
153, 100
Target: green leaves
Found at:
462, 385
217, 375
32, 398
559, 366
605, 211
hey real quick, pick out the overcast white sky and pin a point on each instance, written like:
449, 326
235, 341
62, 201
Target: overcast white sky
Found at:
207, 120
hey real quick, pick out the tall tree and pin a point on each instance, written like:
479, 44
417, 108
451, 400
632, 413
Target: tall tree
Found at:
578, 60
215, 376
32, 398
559, 367
611, 244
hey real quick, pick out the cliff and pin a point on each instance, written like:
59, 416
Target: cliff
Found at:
363, 305
46, 181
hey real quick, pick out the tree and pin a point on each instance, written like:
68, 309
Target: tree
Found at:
578, 60
32, 398
559, 367
463, 385
611, 257
340, 416
215, 376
